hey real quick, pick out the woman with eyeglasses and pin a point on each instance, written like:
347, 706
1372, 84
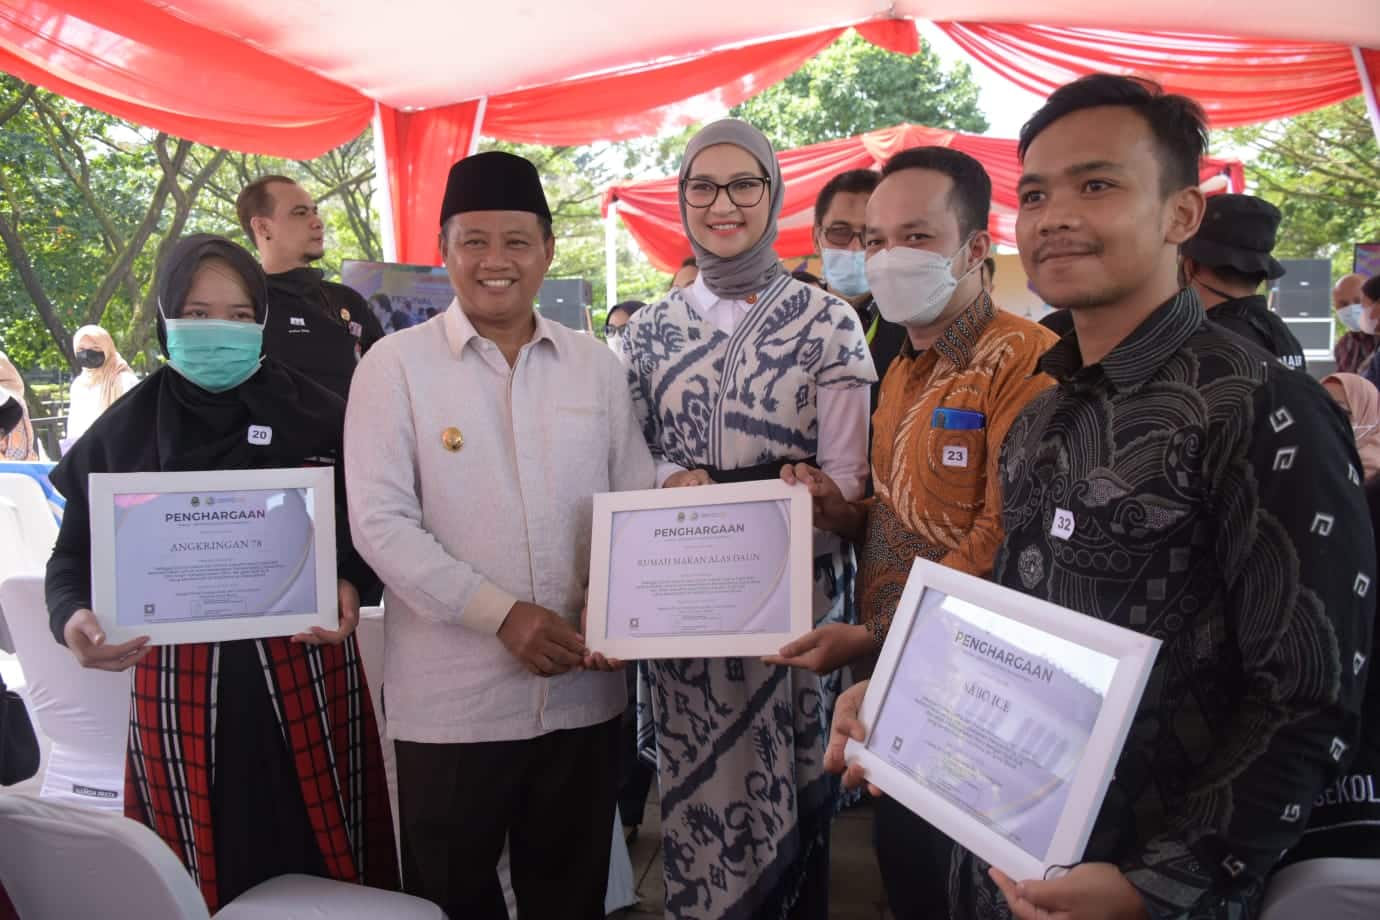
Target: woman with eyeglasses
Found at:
744, 370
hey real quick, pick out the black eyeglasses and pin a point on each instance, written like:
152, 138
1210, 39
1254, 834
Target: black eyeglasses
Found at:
745, 192
842, 235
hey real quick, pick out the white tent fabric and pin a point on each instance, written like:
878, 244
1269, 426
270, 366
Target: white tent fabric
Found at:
422, 53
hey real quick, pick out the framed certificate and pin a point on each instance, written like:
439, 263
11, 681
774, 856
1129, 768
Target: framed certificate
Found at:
999, 718
702, 572
212, 556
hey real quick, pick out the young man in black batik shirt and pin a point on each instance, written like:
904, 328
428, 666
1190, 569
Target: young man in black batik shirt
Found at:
1205, 495
1217, 505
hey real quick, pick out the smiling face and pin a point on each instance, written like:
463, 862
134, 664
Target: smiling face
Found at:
217, 292
724, 228
1094, 228
496, 261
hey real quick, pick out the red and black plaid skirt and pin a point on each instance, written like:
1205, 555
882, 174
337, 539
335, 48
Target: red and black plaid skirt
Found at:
320, 703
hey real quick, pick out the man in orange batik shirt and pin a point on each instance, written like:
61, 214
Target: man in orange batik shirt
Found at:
946, 404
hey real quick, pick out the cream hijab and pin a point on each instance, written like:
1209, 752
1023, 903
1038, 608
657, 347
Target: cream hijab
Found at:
106, 377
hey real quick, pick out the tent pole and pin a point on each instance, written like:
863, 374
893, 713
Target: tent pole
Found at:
475, 133
1368, 90
383, 191
611, 254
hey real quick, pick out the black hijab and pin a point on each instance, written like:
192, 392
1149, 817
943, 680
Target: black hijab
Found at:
169, 423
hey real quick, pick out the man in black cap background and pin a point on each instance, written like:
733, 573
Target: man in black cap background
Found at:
474, 446
1228, 260
315, 326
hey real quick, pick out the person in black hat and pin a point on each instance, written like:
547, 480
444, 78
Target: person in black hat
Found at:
1228, 260
477, 442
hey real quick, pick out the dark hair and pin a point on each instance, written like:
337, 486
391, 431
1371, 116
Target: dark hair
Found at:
1177, 122
1371, 289
255, 200
807, 276
991, 265
627, 306
179, 267
852, 182
689, 263
1235, 276
542, 222
972, 193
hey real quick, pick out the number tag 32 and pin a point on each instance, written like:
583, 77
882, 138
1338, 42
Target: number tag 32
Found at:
1063, 524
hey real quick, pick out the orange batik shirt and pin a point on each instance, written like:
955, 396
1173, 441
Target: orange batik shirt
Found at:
938, 495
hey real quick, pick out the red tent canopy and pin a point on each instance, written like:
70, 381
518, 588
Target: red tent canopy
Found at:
651, 211
296, 79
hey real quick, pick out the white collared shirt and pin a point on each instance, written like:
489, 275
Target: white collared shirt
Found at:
459, 536
843, 411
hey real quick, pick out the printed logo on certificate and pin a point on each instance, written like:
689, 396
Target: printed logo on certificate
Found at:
201, 557
711, 571
999, 718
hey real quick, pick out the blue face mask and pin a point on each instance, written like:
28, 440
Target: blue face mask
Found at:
215, 354
843, 270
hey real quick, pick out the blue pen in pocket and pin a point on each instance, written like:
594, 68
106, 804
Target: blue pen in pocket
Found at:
958, 419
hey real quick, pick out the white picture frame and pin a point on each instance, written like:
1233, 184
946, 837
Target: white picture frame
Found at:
926, 594
791, 562
310, 570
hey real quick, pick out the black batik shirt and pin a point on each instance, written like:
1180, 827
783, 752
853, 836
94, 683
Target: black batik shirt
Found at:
1217, 505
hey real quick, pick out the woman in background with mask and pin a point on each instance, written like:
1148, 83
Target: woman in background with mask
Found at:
104, 378
17, 441
239, 794
1361, 403
732, 377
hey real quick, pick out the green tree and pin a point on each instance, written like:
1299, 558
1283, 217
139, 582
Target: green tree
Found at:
853, 86
90, 203
1322, 170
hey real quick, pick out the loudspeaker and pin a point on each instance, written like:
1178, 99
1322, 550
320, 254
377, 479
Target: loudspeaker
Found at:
567, 301
1305, 291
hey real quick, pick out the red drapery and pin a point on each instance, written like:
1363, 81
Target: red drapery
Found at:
1237, 80
142, 64
627, 103
421, 148
651, 212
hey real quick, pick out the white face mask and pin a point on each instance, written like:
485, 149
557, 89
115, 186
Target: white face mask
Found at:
1366, 321
1350, 316
913, 286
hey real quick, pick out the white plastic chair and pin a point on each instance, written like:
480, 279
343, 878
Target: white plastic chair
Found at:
61, 862
84, 712
27, 533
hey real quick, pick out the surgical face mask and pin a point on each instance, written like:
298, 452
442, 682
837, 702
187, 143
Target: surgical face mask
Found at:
215, 354
1366, 321
846, 272
91, 358
913, 286
1350, 316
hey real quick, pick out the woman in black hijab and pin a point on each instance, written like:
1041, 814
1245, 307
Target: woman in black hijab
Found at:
250, 758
